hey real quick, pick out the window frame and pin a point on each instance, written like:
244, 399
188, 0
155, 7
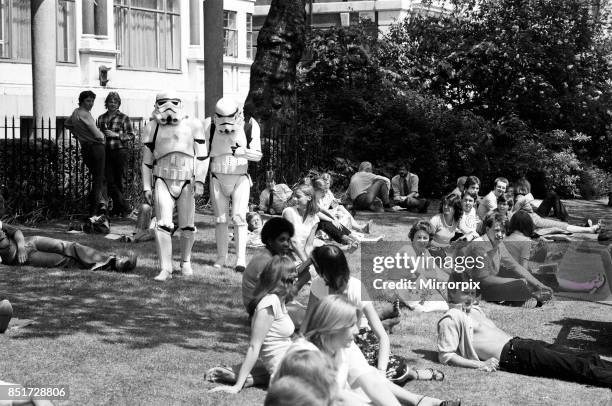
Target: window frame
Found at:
227, 30
251, 49
161, 17
8, 26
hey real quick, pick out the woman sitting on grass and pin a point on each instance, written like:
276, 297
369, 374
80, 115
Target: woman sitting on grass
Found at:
521, 247
444, 225
303, 216
327, 222
339, 211
373, 341
425, 300
330, 328
271, 327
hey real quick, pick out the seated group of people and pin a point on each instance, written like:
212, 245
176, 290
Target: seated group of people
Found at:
507, 213
342, 352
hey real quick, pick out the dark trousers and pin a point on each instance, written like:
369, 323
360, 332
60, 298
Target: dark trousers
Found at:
552, 201
94, 157
538, 358
378, 189
116, 164
48, 252
334, 233
502, 289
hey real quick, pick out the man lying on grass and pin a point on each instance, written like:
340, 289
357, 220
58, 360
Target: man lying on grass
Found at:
45, 252
468, 339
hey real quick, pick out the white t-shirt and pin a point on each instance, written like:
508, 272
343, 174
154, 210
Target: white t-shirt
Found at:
303, 227
442, 231
278, 339
350, 365
355, 293
469, 223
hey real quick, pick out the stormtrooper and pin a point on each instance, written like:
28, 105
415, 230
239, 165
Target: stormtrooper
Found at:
232, 145
174, 164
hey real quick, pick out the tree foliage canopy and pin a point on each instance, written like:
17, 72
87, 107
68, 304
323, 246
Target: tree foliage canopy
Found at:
509, 86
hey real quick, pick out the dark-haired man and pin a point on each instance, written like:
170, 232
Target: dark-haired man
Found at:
82, 125
468, 338
502, 279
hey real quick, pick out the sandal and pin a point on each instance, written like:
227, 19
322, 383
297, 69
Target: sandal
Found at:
436, 375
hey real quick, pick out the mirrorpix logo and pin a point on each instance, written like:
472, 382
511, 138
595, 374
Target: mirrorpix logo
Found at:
405, 270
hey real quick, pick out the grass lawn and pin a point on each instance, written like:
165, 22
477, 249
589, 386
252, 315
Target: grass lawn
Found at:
126, 339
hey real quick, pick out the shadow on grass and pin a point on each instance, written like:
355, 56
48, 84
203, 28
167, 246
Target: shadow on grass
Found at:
127, 309
585, 335
429, 355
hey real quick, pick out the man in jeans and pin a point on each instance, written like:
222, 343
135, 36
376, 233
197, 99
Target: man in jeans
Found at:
83, 127
118, 130
468, 338
369, 191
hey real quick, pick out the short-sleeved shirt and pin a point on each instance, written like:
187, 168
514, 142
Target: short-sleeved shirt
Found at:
469, 223
487, 205
355, 293
303, 227
405, 186
278, 340
361, 182
456, 335
280, 195
442, 231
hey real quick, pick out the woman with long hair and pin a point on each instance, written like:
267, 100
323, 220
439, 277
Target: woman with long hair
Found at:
327, 220
271, 327
330, 327
523, 249
303, 215
335, 278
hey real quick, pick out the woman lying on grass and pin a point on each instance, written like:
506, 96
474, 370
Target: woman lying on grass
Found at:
271, 328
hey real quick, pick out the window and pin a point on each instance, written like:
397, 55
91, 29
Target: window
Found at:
16, 36
148, 34
249, 36
66, 32
230, 34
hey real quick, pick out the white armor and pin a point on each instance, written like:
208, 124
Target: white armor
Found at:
174, 159
230, 152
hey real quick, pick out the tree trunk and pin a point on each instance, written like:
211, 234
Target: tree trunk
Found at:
273, 73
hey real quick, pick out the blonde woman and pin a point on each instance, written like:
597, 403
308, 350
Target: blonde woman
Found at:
331, 328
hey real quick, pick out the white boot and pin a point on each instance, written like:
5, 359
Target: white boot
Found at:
186, 269
163, 240
187, 239
222, 235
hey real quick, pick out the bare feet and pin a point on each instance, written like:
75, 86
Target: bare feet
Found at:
221, 374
